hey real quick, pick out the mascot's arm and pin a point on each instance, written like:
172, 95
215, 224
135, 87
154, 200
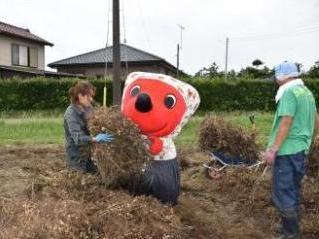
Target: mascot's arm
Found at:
156, 145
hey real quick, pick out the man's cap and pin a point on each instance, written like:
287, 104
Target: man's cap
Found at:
286, 69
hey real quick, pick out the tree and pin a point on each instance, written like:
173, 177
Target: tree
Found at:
299, 66
254, 73
257, 63
211, 71
314, 70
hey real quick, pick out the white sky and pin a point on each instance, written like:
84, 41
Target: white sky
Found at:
271, 30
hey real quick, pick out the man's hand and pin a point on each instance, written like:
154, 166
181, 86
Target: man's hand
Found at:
270, 156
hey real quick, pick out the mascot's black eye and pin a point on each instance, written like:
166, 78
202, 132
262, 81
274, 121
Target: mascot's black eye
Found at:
135, 90
170, 101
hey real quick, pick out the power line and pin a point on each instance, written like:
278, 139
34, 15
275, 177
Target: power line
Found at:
108, 22
124, 26
226, 58
143, 24
258, 40
297, 32
305, 28
125, 39
106, 46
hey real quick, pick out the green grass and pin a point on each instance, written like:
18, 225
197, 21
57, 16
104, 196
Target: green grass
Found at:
30, 114
31, 131
42, 127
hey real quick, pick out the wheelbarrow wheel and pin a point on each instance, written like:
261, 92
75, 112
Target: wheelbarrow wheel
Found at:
213, 174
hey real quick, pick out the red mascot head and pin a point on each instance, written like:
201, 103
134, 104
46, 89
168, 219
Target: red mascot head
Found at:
160, 105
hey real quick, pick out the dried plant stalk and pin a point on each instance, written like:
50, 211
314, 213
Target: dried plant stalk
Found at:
313, 167
120, 162
217, 135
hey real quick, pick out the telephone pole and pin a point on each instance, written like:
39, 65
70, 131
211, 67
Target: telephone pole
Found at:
177, 64
179, 47
116, 54
226, 57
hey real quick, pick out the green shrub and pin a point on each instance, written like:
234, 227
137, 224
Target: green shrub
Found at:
235, 94
42, 94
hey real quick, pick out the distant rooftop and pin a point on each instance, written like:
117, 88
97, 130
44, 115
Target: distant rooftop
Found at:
100, 56
11, 30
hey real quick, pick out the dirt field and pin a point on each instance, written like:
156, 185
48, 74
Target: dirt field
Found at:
40, 199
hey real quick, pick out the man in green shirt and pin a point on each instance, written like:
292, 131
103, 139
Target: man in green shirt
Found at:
291, 136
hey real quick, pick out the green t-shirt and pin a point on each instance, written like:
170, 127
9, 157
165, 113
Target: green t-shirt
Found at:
299, 103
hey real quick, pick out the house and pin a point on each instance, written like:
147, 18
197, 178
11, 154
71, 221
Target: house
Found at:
21, 52
92, 64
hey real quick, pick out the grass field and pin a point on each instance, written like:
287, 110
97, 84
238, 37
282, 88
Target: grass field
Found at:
47, 127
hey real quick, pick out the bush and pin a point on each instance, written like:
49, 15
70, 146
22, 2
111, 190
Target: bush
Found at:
41, 93
235, 94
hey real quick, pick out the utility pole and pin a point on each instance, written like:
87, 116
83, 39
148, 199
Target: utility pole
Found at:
116, 54
181, 30
226, 57
177, 64
179, 47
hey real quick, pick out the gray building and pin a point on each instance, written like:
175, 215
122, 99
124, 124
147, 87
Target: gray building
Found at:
92, 64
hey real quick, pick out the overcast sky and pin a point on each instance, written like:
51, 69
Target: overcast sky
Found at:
271, 30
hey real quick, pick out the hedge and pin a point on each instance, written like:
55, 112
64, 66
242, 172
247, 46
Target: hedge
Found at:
42, 94
45, 94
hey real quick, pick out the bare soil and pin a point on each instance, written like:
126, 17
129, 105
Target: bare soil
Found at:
39, 198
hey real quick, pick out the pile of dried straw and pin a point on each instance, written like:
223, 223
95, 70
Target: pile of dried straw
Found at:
217, 135
71, 205
313, 169
120, 162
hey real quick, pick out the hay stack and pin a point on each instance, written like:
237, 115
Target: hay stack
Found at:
120, 162
313, 169
216, 135
74, 206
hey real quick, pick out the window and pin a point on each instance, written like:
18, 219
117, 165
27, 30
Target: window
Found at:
24, 56
15, 54
33, 57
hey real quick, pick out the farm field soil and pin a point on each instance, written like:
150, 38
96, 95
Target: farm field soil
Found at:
40, 199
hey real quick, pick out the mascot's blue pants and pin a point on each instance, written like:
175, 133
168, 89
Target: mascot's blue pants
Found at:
162, 180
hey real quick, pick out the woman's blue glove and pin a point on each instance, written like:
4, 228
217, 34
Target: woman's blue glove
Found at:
103, 138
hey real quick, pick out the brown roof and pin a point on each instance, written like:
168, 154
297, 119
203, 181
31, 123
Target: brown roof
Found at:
22, 33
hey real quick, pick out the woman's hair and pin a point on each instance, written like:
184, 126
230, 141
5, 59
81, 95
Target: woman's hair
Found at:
83, 88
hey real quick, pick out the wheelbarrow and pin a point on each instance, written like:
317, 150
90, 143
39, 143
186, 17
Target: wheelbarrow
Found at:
220, 161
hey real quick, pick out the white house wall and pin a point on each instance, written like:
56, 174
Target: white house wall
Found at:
5, 50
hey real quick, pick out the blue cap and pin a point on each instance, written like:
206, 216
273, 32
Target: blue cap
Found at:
286, 69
